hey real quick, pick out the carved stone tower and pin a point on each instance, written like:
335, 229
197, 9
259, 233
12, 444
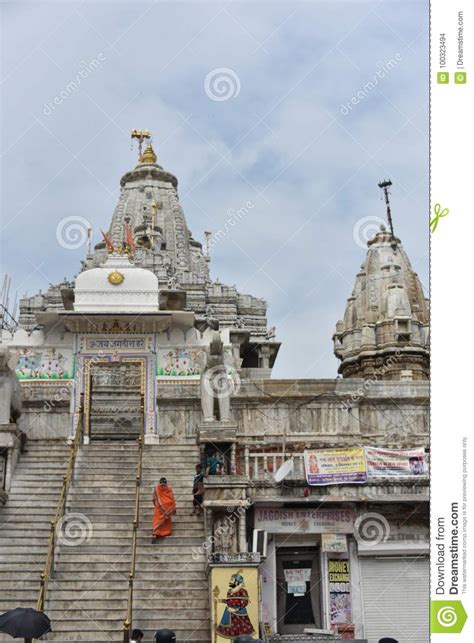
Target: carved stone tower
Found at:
385, 330
149, 208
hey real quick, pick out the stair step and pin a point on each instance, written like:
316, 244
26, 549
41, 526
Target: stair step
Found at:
105, 584
110, 619
87, 597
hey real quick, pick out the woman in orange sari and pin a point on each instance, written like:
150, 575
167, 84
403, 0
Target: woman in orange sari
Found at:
164, 507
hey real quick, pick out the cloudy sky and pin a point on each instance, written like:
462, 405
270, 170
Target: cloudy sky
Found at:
245, 101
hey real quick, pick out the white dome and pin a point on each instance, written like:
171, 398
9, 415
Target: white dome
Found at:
118, 286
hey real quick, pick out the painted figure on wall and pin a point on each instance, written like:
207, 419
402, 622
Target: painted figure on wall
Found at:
52, 363
178, 362
28, 363
48, 363
235, 619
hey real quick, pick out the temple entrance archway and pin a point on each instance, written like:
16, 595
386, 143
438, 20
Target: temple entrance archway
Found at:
114, 402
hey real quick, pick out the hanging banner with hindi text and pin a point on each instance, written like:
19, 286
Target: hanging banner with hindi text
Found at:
393, 463
335, 466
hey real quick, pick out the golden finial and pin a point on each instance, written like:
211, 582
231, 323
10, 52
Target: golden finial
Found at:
140, 135
148, 155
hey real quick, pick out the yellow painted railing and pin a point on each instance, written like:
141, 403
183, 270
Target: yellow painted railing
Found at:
48, 569
127, 625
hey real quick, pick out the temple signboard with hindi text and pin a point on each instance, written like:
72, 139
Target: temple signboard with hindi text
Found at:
105, 344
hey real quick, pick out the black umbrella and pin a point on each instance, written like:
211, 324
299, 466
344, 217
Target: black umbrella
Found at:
165, 636
25, 622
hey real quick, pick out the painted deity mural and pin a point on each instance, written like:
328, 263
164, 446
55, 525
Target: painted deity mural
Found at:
179, 362
186, 361
44, 363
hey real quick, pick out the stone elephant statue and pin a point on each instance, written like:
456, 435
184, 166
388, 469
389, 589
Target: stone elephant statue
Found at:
10, 391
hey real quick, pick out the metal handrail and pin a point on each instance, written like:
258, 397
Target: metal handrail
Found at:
127, 625
48, 569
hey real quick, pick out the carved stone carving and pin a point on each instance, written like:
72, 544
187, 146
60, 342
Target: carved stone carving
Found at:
214, 381
225, 536
10, 393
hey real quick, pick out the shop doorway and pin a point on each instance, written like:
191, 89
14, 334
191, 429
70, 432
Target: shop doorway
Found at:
298, 589
115, 409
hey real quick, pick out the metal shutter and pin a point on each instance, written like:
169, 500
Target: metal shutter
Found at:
396, 598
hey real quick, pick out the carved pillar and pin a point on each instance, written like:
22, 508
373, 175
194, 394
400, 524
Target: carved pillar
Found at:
354, 423
243, 532
236, 354
9, 468
265, 356
9, 453
208, 522
247, 463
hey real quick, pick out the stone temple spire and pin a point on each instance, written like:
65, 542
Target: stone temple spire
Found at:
385, 330
149, 212
150, 208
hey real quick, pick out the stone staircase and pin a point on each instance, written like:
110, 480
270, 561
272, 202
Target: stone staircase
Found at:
171, 587
87, 598
25, 522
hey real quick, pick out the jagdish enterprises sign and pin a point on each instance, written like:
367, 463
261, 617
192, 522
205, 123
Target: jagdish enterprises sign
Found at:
312, 521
